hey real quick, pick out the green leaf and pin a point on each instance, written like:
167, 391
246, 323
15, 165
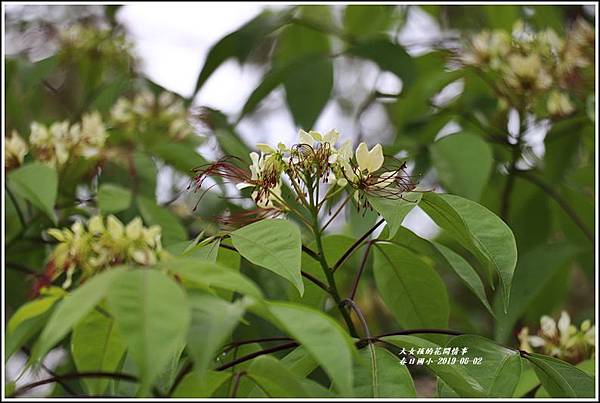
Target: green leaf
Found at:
208, 252
588, 366
208, 274
388, 56
213, 321
527, 381
273, 78
309, 85
72, 309
394, 210
307, 89
367, 20
463, 163
534, 272
146, 173
37, 183
239, 44
273, 244
96, 346
412, 290
454, 376
153, 315
181, 156
172, 230
113, 198
502, 16
300, 362
466, 273
561, 379
500, 370
274, 378
13, 224
27, 321
381, 375
322, 337
479, 230
200, 384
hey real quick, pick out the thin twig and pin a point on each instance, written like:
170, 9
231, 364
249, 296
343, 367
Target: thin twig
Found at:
74, 375
361, 268
559, 199
355, 245
255, 354
238, 343
315, 280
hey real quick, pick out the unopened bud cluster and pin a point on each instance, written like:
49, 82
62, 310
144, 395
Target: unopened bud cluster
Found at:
165, 114
58, 143
87, 248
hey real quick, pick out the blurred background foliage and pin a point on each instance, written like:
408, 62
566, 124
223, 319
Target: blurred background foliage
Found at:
461, 122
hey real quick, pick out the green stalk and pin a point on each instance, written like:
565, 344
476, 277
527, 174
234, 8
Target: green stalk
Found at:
323, 261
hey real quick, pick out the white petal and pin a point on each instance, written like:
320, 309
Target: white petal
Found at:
265, 148
331, 137
316, 135
548, 326
536, 341
305, 138
243, 185
362, 156
563, 324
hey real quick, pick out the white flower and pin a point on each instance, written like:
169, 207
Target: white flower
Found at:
369, 161
15, 149
548, 326
564, 323
257, 162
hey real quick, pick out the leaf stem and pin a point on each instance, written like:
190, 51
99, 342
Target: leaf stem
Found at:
236, 383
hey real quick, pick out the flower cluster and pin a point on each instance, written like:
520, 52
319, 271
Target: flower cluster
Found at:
166, 113
540, 63
315, 160
561, 339
56, 144
99, 244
